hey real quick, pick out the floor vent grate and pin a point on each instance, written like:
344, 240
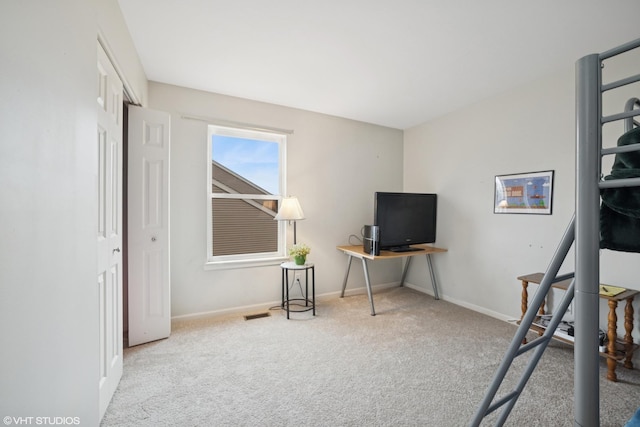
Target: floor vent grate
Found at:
256, 316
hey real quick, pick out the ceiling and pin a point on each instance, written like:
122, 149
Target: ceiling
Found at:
396, 63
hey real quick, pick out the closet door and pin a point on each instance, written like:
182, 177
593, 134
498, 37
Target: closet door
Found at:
109, 236
148, 225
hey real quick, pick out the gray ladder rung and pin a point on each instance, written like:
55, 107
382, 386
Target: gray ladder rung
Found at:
622, 182
561, 277
622, 82
498, 403
620, 149
620, 49
620, 116
533, 344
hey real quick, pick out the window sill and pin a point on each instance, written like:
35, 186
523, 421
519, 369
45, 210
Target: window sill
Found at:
229, 265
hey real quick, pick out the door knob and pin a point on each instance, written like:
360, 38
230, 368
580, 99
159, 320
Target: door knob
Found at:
116, 250
153, 239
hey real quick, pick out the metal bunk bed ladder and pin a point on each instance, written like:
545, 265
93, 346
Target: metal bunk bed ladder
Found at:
584, 230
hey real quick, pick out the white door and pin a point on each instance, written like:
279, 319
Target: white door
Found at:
109, 239
148, 225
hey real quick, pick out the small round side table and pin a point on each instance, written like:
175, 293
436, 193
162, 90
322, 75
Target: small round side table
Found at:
309, 303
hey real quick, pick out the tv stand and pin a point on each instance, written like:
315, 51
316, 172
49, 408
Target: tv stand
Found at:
403, 249
358, 252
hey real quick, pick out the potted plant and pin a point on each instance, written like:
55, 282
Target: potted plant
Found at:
299, 253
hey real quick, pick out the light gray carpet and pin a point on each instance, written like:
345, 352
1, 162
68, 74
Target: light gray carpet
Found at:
419, 362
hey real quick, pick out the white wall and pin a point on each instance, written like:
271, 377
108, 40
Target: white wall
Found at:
48, 167
527, 129
334, 167
48, 315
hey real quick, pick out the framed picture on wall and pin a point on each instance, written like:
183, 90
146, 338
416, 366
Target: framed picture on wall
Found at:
524, 193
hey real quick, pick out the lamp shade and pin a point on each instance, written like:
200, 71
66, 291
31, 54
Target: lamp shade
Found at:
290, 210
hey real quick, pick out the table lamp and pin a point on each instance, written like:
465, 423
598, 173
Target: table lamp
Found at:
290, 210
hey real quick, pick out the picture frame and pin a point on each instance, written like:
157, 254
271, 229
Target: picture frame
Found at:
524, 193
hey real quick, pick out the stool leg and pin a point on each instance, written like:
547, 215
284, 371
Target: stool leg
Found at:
283, 282
313, 289
306, 287
524, 303
287, 291
628, 328
612, 336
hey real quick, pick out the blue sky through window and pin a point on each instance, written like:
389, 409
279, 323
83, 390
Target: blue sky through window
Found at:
255, 160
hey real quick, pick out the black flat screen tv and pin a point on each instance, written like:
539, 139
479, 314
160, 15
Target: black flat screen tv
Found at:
405, 219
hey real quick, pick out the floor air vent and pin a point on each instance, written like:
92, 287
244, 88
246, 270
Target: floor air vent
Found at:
256, 316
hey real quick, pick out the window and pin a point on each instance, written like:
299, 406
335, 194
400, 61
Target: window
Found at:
245, 182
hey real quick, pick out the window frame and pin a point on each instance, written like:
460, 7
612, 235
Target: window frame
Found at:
254, 259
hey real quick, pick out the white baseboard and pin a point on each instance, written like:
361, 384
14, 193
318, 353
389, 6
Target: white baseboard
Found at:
266, 306
328, 295
464, 304
234, 310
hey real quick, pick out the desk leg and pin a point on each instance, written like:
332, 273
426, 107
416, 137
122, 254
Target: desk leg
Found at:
628, 328
404, 271
365, 268
346, 276
433, 278
612, 336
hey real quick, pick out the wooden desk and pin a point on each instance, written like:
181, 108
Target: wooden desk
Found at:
358, 252
616, 350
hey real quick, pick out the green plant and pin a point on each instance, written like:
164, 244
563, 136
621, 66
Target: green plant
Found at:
299, 249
